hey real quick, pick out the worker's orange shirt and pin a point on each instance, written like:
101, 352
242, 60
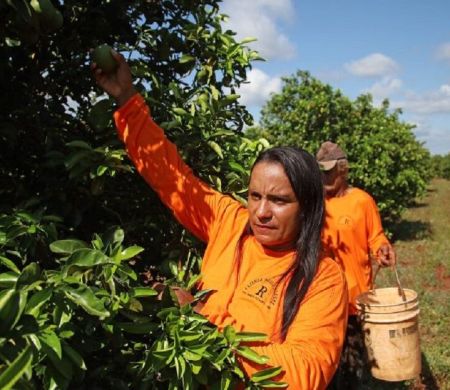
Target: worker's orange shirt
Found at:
246, 297
353, 230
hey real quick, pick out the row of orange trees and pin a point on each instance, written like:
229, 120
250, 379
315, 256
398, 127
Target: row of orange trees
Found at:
441, 166
385, 157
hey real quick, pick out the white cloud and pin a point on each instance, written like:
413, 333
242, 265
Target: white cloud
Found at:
258, 19
436, 135
435, 102
443, 51
375, 64
385, 88
445, 89
259, 87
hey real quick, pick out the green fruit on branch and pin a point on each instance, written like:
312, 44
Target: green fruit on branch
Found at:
49, 17
103, 58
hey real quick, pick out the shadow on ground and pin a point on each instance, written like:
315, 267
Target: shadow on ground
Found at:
426, 381
411, 230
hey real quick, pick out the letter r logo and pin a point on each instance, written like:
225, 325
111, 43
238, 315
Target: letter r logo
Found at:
261, 291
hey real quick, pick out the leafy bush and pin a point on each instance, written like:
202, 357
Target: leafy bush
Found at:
385, 158
90, 311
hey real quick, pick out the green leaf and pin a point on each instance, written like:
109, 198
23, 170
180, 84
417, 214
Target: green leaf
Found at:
84, 297
192, 356
250, 336
214, 92
163, 357
12, 42
180, 366
54, 379
137, 327
189, 336
50, 339
12, 304
273, 384
86, 257
167, 312
61, 313
101, 169
199, 295
30, 274
16, 231
128, 253
193, 281
248, 40
226, 381
230, 98
186, 58
215, 146
251, 355
37, 300
8, 279
173, 266
237, 167
266, 374
195, 366
79, 144
127, 272
67, 246
143, 292
9, 264
16, 369
230, 334
62, 365
73, 355
179, 111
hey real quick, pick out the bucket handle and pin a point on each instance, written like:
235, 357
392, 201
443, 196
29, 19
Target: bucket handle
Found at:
401, 292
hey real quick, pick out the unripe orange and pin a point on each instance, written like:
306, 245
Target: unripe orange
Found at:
103, 58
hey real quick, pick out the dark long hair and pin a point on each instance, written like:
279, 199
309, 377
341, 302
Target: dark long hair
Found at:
306, 180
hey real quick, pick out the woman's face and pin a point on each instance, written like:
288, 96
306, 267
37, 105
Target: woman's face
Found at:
273, 207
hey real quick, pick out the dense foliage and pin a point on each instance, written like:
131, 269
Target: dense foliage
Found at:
441, 166
76, 304
385, 158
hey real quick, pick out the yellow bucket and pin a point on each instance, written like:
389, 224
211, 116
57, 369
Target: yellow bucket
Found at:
391, 332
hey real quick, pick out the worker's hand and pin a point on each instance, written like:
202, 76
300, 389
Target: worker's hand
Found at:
386, 255
118, 84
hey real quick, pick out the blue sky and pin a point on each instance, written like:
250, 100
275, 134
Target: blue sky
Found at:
395, 49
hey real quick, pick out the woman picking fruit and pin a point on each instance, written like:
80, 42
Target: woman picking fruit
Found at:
263, 262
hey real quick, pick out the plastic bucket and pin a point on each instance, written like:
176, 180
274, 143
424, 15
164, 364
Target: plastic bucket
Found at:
391, 333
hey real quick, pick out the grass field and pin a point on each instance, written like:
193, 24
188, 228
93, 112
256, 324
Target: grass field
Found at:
422, 242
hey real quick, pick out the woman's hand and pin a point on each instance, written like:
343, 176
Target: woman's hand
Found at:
118, 84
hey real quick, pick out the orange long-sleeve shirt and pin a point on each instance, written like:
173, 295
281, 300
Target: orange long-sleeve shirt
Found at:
246, 297
352, 231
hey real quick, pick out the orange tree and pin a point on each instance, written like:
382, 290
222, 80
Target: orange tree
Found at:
385, 157
441, 165
76, 306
